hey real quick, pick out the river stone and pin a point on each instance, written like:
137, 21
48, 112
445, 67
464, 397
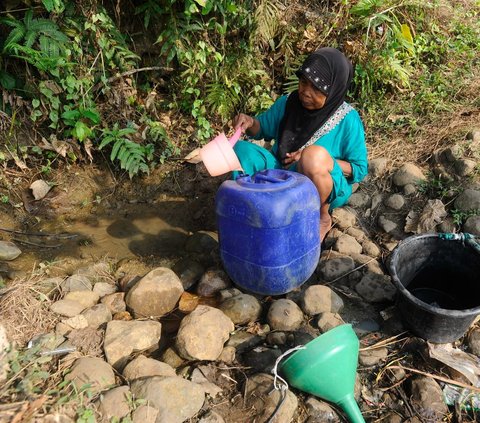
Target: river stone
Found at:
211, 417
337, 267
97, 315
327, 321
409, 173
366, 326
9, 251
468, 200
427, 399
171, 357
114, 403
395, 201
93, 371
377, 199
320, 298
376, 288
225, 294
453, 153
86, 298
202, 242
40, 189
67, 308
448, 225
371, 265
104, 288
320, 412
125, 338
75, 322
227, 355
343, 218
285, 315
370, 248
244, 341
198, 377
76, 283
276, 338
4, 348
175, 398
202, 333
115, 302
156, 294
474, 341
465, 167
386, 224
358, 234
410, 189
95, 271
347, 244
472, 225
145, 414
213, 281
377, 167
189, 272
260, 395
372, 357
142, 367
242, 309
359, 200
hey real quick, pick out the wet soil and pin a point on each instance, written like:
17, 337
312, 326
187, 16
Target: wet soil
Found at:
89, 214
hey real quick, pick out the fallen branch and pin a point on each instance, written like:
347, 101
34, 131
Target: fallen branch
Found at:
351, 271
61, 236
440, 378
35, 244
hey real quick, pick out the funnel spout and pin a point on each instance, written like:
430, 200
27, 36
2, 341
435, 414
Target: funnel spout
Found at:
350, 407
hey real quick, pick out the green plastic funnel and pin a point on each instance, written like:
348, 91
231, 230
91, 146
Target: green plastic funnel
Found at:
326, 368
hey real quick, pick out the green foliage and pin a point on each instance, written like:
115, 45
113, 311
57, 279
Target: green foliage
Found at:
435, 187
28, 371
132, 156
37, 41
459, 216
56, 6
158, 135
215, 81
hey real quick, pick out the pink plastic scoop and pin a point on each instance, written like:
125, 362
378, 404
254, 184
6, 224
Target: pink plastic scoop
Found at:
218, 155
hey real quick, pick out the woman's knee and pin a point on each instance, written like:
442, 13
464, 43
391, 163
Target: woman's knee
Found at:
316, 159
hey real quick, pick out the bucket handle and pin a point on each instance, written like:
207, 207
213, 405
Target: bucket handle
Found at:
467, 238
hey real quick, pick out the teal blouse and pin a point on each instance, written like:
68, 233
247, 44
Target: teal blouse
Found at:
346, 141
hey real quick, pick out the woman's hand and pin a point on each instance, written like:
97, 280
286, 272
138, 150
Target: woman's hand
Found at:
292, 157
248, 124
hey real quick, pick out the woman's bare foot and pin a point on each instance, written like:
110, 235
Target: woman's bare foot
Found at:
325, 225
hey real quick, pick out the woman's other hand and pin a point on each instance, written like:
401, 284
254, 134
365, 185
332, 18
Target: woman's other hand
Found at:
292, 157
248, 124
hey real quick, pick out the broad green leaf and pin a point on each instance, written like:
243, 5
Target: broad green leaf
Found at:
7, 81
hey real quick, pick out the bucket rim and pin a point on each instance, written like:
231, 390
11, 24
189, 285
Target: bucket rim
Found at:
406, 293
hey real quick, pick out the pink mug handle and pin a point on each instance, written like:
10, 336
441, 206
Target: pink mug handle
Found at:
235, 137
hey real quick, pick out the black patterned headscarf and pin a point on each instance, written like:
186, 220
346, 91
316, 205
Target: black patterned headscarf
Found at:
331, 72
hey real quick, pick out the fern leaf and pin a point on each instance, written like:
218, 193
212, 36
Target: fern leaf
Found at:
30, 38
116, 149
14, 37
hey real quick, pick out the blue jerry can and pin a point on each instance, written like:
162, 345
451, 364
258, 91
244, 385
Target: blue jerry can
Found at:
268, 229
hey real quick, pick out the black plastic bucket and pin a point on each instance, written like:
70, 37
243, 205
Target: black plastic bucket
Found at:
438, 286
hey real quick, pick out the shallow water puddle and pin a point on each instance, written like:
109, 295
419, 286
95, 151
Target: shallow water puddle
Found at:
159, 230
